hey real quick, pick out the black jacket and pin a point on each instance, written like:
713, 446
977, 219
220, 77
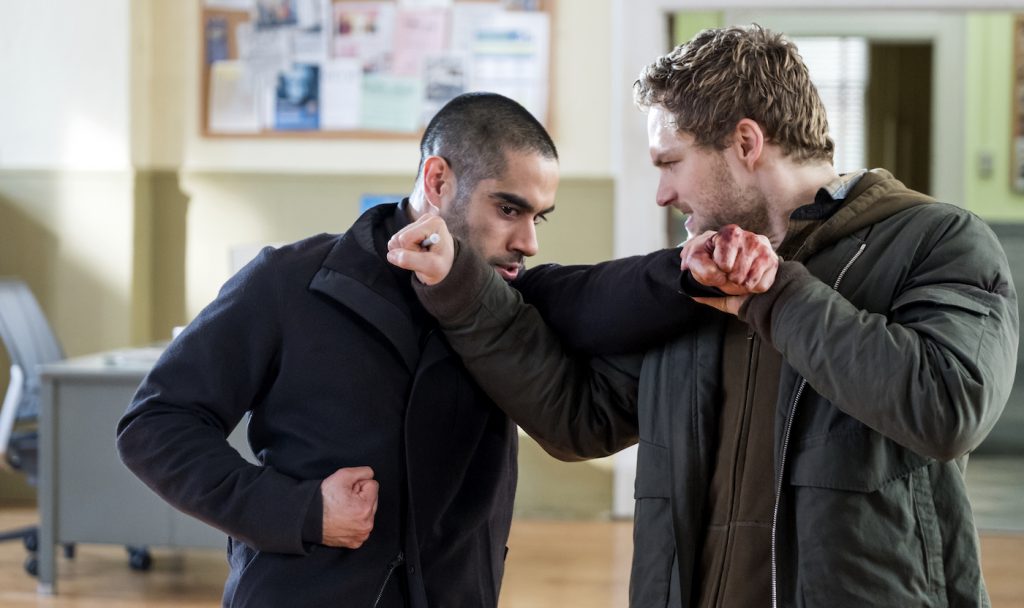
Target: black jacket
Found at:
320, 342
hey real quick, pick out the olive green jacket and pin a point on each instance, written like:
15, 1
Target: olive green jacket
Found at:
897, 323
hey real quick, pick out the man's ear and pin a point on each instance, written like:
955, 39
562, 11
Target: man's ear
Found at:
438, 182
748, 141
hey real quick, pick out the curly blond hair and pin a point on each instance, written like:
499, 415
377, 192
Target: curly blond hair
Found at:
724, 75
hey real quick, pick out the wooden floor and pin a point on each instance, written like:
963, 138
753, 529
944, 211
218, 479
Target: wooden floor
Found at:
550, 564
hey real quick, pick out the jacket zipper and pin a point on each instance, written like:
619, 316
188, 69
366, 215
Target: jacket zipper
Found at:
395, 563
785, 447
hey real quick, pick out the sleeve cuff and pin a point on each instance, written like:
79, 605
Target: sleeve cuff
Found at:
690, 287
313, 525
757, 310
459, 290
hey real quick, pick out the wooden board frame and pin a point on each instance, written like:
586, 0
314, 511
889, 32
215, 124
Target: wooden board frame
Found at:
234, 18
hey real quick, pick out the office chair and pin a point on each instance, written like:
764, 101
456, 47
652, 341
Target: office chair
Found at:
30, 343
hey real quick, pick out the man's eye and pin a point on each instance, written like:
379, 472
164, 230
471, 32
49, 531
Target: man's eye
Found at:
508, 210
539, 219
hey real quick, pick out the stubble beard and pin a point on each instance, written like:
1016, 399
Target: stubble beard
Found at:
746, 207
457, 219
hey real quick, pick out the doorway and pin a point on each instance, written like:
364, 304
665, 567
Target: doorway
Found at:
898, 134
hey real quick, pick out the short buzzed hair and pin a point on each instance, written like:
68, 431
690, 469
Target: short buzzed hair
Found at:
725, 75
474, 131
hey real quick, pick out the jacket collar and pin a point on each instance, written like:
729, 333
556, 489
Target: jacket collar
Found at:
356, 276
873, 197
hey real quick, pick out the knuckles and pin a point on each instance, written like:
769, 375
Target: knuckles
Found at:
730, 233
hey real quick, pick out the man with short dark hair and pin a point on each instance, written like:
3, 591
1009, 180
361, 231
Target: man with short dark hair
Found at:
803, 443
386, 476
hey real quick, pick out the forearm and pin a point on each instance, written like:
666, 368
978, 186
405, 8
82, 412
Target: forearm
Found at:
575, 407
187, 460
620, 306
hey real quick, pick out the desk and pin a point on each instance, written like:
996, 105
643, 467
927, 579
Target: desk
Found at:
86, 495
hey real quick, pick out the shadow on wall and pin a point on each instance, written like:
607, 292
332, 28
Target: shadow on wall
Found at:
70, 236
169, 234
27, 250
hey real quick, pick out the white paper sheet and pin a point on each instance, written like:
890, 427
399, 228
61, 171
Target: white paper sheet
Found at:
445, 75
417, 33
510, 56
341, 91
234, 102
391, 103
467, 17
311, 39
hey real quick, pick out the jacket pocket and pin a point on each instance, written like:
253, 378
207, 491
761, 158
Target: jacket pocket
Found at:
929, 529
326, 576
390, 582
942, 296
859, 525
654, 548
956, 318
852, 458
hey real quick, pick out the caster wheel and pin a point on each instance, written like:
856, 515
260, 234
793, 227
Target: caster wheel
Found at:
31, 541
139, 559
32, 565
69, 551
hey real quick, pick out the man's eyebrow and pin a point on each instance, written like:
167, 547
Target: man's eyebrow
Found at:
521, 203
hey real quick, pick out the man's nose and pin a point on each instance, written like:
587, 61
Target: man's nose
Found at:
526, 240
665, 195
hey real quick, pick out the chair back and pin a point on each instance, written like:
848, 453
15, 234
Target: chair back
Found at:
30, 343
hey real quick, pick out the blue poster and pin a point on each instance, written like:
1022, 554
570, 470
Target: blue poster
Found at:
298, 98
216, 39
367, 201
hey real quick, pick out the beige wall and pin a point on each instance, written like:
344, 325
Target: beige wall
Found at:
70, 235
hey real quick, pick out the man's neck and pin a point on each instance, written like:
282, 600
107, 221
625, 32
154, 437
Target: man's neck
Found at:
417, 204
791, 186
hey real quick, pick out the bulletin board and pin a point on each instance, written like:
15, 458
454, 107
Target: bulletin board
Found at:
1017, 122
365, 69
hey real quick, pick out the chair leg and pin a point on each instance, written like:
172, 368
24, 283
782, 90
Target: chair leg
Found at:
31, 540
139, 558
20, 533
29, 537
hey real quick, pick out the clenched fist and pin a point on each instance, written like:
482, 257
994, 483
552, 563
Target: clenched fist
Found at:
424, 247
350, 503
734, 260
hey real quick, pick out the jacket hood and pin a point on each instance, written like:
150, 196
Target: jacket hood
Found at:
875, 197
